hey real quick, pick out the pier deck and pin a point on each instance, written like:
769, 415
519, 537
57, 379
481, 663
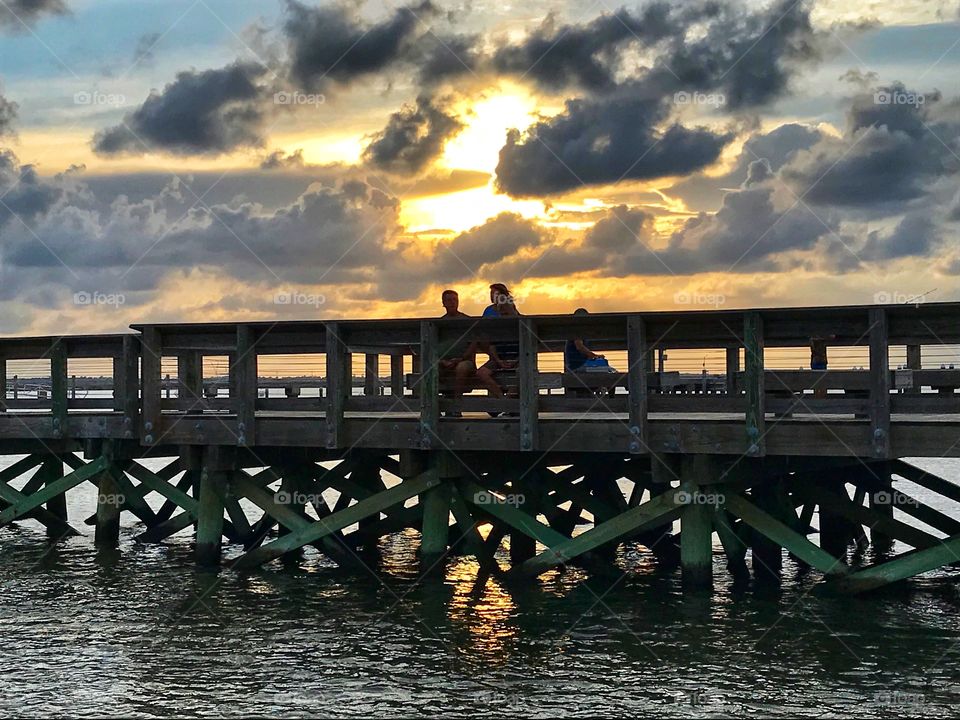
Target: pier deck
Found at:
755, 457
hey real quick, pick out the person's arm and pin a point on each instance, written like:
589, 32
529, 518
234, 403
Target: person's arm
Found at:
585, 351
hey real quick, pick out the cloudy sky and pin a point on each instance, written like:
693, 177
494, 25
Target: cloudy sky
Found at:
222, 159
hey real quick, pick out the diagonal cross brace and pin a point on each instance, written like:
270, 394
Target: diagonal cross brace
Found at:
784, 536
661, 509
31, 502
337, 521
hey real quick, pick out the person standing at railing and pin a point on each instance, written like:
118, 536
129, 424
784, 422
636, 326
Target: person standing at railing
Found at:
458, 360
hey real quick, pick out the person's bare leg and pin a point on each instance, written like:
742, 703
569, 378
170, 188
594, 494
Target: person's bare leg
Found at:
485, 376
464, 371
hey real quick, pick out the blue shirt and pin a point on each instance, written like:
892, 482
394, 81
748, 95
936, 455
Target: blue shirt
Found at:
572, 357
506, 351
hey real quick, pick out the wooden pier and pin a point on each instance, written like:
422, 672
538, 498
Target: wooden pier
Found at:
564, 469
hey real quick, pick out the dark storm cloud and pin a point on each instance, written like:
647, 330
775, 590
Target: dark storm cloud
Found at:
280, 160
600, 142
8, 115
705, 192
443, 57
24, 196
586, 55
748, 55
916, 235
207, 112
16, 14
500, 237
747, 234
413, 137
70, 240
894, 148
333, 43
620, 129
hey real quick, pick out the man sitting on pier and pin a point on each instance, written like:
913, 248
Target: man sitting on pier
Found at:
458, 361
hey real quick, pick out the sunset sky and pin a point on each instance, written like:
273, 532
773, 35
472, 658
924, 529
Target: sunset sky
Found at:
209, 160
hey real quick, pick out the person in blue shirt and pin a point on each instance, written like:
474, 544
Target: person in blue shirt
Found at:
505, 355
576, 354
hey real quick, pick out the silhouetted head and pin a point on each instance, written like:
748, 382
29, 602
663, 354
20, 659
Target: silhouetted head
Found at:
581, 311
450, 300
500, 295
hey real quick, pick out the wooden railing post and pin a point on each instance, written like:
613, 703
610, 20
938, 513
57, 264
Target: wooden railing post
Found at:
58, 385
733, 368
150, 384
396, 375
637, 358
914, 362
371, 377
528, 385
754, 383
338, 383
429, 384
189, 379
3, 385
126, 385
245, 385
879, 383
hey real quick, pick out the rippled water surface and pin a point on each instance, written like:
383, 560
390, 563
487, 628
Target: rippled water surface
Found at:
141, 632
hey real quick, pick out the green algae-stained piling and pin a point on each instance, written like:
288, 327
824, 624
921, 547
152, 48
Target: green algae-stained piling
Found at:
565, 468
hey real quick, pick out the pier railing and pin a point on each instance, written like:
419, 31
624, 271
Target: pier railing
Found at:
638, 409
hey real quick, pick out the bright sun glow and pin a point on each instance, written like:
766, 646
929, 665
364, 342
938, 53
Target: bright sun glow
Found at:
477, 147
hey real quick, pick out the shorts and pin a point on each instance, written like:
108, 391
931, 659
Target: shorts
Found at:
818, 365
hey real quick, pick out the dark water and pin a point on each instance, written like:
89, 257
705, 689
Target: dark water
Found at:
142, 632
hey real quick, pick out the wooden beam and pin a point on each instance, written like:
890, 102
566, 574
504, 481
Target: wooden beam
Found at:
58, 386
150, 383
435, 530
339, 520
733, 370
637, 356
528, 385
213, 489
561, 549
396, 376
879, 383
245, 386
840, 504
27, 504
753, 341
696, 520
901, 567
338, 383
371, 376
429, 385
785, 536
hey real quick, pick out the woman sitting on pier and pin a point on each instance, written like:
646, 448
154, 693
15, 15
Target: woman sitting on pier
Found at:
506, 355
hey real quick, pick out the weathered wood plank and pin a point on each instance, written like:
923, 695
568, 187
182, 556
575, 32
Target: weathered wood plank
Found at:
879, 383
637, 355
528, 385
753, 341
428, 387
